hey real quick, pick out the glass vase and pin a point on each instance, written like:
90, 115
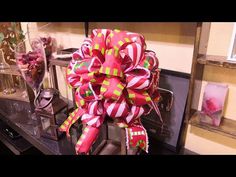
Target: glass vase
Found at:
31, 61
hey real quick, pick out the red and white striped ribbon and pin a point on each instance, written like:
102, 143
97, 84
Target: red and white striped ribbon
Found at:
95, 108
84, 51
137, 38
95, 64
72, 78
116, 109
136, 111
134, 52
92, 120
137, 82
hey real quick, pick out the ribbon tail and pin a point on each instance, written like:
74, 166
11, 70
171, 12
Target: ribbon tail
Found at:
127, 138
136, 136
147, 140
74, 116
87, 139
158, 113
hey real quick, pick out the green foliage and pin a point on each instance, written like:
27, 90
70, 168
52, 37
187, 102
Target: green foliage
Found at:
21, 35
9, 29
1, 37
18, 36
13, 41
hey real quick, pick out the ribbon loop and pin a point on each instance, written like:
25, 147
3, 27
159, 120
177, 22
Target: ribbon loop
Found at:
138, 97
116, 109
133, 53
112, 88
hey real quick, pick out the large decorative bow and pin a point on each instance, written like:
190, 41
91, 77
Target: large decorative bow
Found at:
114, 75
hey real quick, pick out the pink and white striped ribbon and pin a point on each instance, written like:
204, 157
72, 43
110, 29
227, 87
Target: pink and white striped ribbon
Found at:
134, 52
136, 111
117, 108
92, 120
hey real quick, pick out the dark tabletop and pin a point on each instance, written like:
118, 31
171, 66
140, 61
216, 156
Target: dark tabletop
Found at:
17, 115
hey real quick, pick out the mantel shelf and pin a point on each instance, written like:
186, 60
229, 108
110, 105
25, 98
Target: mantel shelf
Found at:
226, 128
219, 61
59, 62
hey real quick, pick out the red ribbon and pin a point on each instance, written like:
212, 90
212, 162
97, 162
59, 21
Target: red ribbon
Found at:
114, 75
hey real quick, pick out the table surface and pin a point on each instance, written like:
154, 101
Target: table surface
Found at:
17, 115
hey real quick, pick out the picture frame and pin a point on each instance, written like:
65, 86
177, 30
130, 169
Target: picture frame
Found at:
232, 48
213, 103
175, 88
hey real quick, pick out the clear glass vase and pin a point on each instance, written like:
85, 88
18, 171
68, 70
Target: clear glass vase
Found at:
31, 62
7, 83
49, 44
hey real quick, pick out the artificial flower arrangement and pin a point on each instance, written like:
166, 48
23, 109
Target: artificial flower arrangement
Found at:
114, 76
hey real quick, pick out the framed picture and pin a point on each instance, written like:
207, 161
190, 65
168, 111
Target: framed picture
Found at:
174, 91
213, 103
232, 47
